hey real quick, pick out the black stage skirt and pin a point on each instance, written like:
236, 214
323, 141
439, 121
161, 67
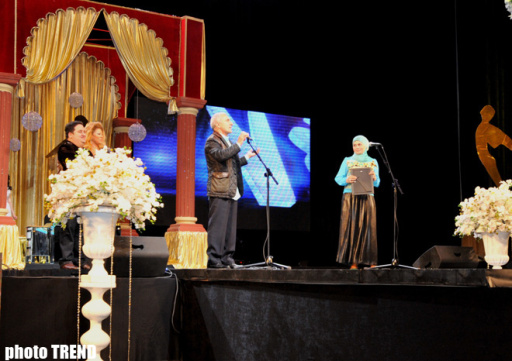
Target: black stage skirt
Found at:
358, 230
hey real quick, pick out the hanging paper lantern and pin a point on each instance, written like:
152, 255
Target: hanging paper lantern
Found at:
32, 121
137, 132
76, 100
15, 145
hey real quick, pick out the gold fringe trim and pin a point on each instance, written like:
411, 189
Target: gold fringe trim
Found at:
10, 247
187, 249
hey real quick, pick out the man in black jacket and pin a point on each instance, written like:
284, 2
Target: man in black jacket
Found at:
68, 237
225, 186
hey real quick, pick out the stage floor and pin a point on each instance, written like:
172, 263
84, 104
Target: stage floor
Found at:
394, 276
449, 277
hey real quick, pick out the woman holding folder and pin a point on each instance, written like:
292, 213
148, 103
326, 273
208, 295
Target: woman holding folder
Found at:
358, 175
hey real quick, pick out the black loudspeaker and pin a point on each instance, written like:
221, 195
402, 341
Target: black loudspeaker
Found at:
448, 257
149, 257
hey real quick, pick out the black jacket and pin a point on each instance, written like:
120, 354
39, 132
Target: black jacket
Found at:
66, 151
224, 167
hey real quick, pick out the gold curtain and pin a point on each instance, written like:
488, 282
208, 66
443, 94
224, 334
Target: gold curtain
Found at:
56, 41
143, 56
29, 167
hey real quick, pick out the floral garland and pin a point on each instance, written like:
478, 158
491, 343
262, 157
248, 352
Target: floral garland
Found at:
112, 178
490, 210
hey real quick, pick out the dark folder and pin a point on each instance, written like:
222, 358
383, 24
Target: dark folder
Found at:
364, 182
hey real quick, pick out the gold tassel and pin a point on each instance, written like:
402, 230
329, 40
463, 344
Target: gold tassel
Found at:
173, 108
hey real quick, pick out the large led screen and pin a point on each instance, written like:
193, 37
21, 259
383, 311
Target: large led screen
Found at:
284, 144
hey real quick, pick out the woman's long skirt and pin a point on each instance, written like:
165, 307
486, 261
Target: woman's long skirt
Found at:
358, 230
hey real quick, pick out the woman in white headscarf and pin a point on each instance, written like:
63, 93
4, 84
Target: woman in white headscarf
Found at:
358, 226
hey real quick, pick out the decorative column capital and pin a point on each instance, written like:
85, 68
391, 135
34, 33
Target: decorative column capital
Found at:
6, 88
9, 79
121, 125
185, 103
188, 111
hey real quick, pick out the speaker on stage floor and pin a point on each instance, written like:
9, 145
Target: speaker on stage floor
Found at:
149, 256
448, 257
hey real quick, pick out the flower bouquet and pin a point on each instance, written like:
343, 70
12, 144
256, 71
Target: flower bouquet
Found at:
110, 178
508, 6
489, 211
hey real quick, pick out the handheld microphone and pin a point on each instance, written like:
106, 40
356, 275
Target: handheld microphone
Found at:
374, 144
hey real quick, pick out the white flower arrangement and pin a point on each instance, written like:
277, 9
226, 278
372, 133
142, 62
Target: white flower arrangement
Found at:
508, 5
490, 210
111, 178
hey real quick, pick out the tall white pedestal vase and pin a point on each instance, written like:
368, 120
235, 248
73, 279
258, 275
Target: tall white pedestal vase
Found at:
99, 232
496, 248
112, 174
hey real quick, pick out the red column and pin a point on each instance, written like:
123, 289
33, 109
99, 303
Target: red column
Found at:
186, 166
121, 140
7, 84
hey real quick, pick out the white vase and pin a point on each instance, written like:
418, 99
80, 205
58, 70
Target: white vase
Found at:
496, 248
98, 244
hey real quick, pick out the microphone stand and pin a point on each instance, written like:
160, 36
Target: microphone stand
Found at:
268, 258
396, 186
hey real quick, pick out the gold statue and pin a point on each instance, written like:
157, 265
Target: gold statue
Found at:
488, 134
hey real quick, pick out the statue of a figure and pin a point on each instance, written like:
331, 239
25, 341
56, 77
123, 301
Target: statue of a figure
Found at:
488, 134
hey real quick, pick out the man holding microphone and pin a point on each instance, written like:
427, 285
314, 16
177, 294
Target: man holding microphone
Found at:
225, 186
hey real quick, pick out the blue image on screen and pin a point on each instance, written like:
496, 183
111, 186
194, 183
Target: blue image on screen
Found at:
284, 144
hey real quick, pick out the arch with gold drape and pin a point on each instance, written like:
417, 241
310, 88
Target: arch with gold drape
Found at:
56, 67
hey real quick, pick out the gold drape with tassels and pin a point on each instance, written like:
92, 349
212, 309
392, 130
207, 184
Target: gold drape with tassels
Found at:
143, 56
56, 41
29, 167
10, 247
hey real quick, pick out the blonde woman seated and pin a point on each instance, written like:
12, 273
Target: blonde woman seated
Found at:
95, 137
